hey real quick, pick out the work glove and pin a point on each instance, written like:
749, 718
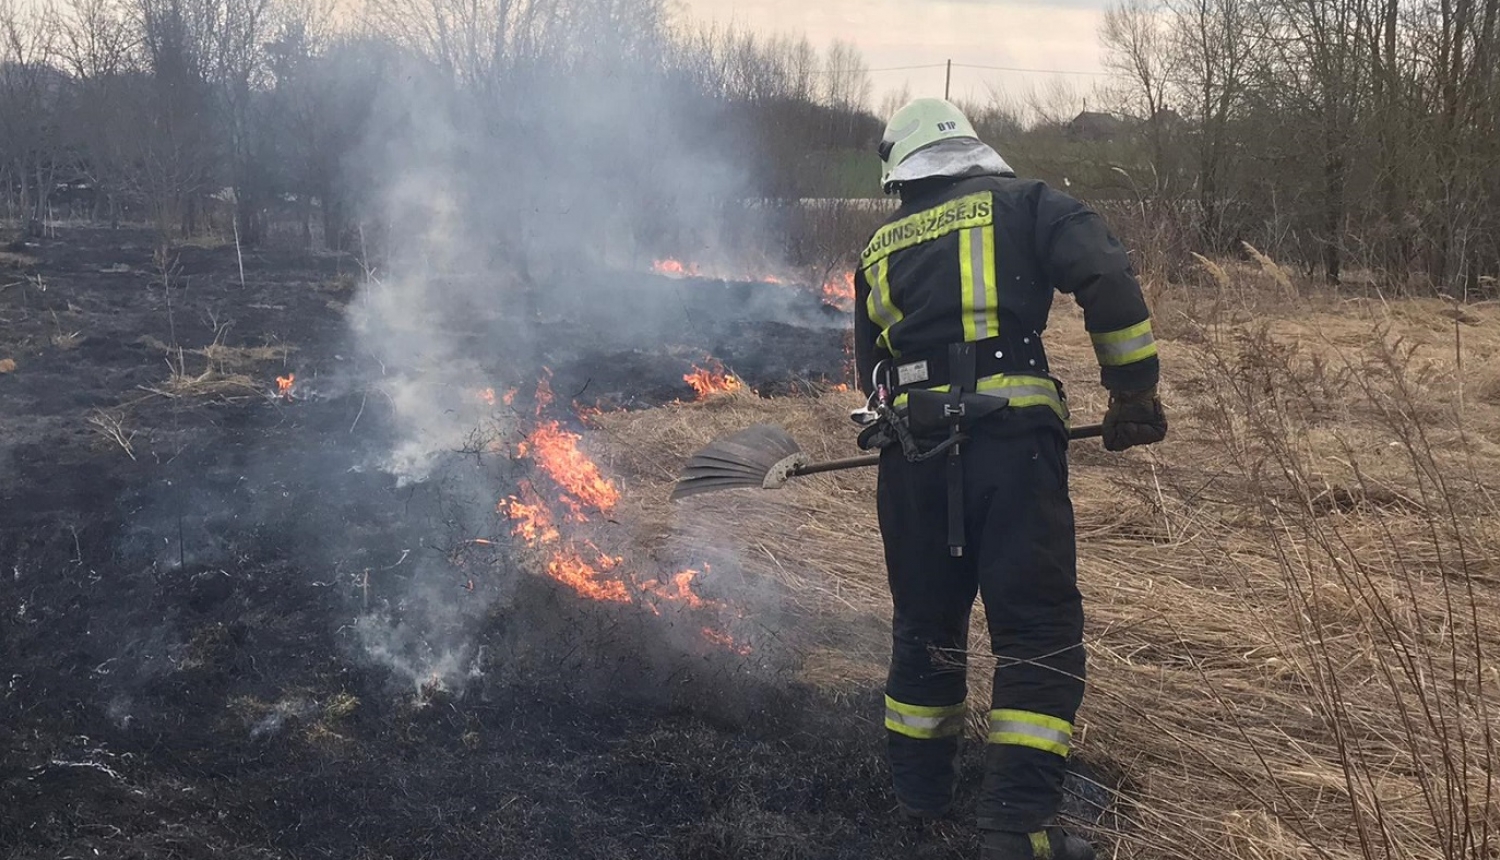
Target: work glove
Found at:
1134, 418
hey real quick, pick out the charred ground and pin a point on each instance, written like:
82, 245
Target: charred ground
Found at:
187, 554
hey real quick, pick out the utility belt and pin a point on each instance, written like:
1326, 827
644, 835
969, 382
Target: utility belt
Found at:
945, 393
1011, 355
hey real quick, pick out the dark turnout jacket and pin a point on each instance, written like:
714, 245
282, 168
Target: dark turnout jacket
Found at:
978, 259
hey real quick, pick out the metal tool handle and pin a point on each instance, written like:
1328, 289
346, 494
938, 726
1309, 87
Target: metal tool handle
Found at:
1084, 431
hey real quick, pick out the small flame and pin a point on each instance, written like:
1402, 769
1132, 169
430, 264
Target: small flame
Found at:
284, 385
556, 451
838, 290
488, 396
677, 589
714, 380
674, 268
569, 568
724, 640
543, 391
533, 519
509, 397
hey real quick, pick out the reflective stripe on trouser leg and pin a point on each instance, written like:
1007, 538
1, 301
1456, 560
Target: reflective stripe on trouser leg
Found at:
922, 722
1027, 729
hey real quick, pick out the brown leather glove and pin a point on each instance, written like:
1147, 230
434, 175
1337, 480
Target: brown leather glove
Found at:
1134, 418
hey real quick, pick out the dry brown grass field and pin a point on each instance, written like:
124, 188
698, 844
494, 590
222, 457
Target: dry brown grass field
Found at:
1293, 602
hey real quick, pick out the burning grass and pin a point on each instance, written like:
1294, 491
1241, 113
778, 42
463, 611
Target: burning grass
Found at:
226, 371
1292, 628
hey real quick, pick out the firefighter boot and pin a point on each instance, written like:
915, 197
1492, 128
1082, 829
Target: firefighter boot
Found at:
1049, 844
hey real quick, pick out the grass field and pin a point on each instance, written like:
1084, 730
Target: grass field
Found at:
1293, 613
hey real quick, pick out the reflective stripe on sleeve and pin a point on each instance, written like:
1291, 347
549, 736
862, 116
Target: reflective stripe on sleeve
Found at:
882, 309
922, 721
1028, 729
976, 262
1126, 346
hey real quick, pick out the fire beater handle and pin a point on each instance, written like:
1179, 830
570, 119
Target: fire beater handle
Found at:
1084, 431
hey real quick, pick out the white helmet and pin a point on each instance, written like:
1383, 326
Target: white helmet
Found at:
917, 125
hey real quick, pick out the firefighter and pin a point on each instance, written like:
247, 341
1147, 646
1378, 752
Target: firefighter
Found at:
952, 296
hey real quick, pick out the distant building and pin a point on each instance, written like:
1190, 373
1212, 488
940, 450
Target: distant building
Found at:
1095, 126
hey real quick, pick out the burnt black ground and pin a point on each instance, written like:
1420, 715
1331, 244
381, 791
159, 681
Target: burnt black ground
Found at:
180, 669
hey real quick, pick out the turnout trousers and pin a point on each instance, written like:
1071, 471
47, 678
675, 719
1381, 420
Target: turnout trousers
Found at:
1021, 559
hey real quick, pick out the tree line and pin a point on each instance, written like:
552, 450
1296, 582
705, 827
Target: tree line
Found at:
1340, 133
178, 112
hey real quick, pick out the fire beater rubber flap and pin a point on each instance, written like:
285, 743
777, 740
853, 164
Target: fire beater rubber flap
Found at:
742, 459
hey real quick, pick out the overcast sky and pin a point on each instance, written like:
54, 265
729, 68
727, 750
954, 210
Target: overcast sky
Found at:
1042, 34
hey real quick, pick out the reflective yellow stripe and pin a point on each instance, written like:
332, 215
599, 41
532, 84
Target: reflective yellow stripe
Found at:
1030, 729
971, 210
923, 721
1125, 346
1022, 391
882, 309
1041, 846
976, 264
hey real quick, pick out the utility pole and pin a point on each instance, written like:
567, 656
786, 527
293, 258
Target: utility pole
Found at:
948, 80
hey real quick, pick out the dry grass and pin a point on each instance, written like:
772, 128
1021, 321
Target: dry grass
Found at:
14, 260
225, 372
112, 426
1292, 603
245, 357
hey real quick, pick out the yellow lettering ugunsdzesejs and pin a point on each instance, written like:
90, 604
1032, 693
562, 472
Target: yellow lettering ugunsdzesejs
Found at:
971, 210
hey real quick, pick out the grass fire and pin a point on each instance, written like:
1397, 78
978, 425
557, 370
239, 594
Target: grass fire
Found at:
353, 364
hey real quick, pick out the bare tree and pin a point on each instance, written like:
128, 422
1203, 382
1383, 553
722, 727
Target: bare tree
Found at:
173, 154
30, 87
1135, 42
95, 48
846, 82
1211, 44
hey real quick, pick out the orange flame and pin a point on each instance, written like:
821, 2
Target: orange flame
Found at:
543, 391
714, 380
569, 568
675, 268
838, 290
724, 640
677, 589
533, 519
576, 563
284, 385
488, 396
509, 397
556, 451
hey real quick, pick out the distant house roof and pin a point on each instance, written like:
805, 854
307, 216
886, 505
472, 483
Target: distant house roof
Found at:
1095, 125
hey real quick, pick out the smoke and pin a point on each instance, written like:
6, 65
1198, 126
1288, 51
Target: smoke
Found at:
513, 200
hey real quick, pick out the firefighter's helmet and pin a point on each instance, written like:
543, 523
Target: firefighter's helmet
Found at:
917, 125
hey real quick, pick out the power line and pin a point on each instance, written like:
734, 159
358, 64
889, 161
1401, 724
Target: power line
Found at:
963, 66
1037, 71
886, 69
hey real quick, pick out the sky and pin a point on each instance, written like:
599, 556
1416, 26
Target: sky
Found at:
1045, 34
